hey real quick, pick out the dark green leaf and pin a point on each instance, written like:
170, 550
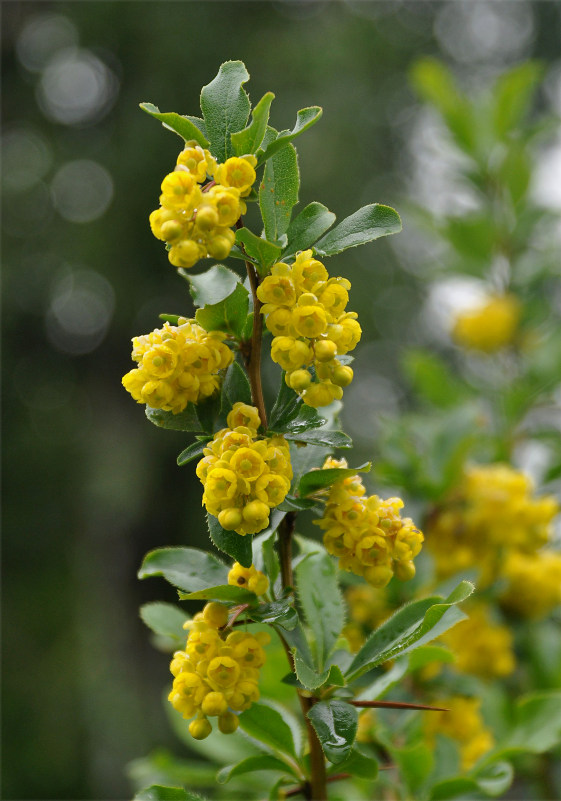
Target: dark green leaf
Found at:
235, 387
268, 726
248, 328
358, 764
278, 192
286, 407
411, 626
225, 106
186, 420
252, 764
310, 679
317, 480
191, 452
305, 118
228, 593
207, 412
302, 418
270, 559
164, 619
261, 251
313, 221
281, 613
248, 140
235, 545
292, 504
335, 723
319, 595
175, 122
212, 286
228, 315
368, 223
189, 569
331, 439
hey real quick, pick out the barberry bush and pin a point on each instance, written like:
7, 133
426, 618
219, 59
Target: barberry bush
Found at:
278, 681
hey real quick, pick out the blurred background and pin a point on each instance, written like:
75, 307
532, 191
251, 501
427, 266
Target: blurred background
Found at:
89, 485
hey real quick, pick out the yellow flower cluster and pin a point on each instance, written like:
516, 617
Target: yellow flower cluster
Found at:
489, 327
492, 512
244, 476
196, 221
367, 534
248, 577
463, 723
482, 648
177, 364
305, 311
368, 608
533, 583
216, 675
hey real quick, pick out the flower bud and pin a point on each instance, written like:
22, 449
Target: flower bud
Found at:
200, 729
215, 614
342, 375
228, 723
325, 350
214, 704
299, 380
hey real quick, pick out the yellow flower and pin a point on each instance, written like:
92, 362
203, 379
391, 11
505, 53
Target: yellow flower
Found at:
249, 577
463, 723
481, 648
489, 327
199, 162
238, 173
533, 583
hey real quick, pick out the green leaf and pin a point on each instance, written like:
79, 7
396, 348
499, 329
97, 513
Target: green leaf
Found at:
411, 626
281, 613
429, 653
248, 140
207, 412
164, 619
263, 252
212, 286
358, 764
313, 221
538, 723
513, 94
228, 593
186, 420
415, 764
386, 681
305, 118
312, 680
268, 727
278, 192
317, 480
292, 504
321, 600
191, 452
228, 315
432, 379
225, 106
335, 723
235, 387
175, 122
173, 319
435, 83
159, 793
286, 407
252, 764
189, 569
494, 780
235, 545
368, 223
331, 439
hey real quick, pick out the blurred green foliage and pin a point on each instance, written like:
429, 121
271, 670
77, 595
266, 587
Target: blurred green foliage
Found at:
88, 486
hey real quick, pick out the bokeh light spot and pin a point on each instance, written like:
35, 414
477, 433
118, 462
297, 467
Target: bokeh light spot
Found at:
26, 158
41, 37
82, 190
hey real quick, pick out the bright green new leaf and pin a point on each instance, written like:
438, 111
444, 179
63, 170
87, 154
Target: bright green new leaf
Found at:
313, 221
432, 379
228, 315
189, 569
305, 118
186, 420
429, 653
212, 286
268, 727
159, 793
252, 764
248, 140
411, 626
164, 619
318, 592
312, 680
175, 122
263, 252
321, 479
357, 764
225, 106
235, 387
281, 613
335, 723
278, 192
368, 223
513, 94
235, 545
172, 319
191, 452
228, 593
